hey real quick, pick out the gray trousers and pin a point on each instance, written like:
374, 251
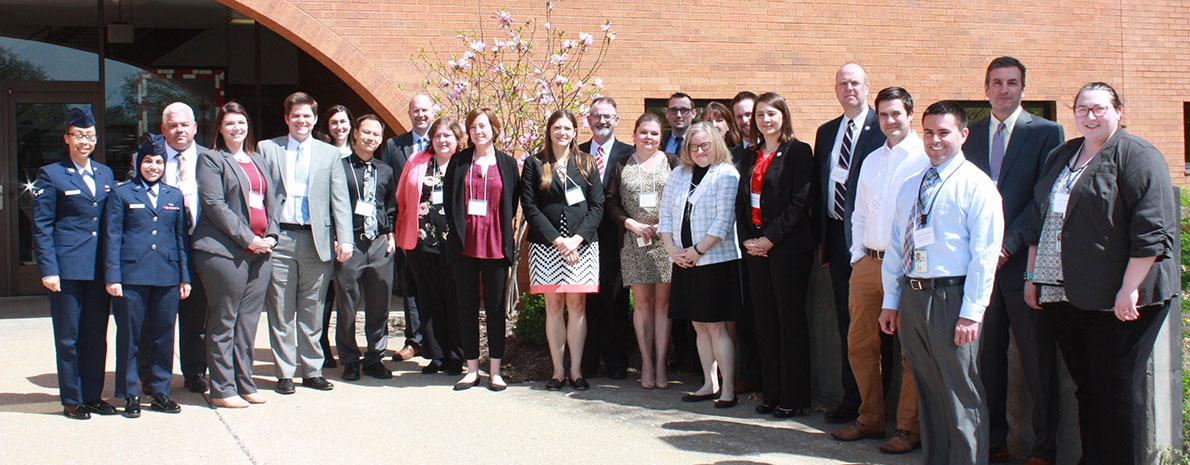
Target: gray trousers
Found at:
294, 305
365, 283
954, 427
235, 292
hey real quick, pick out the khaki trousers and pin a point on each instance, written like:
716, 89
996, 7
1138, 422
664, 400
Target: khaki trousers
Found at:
863, 350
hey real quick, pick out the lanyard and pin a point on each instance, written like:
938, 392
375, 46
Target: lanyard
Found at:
1074, 174
470, 181
925, 214
252, 186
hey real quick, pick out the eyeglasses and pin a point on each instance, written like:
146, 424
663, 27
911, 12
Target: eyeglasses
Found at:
1098, 111
600, 117
703, 147
679, 110
79, 137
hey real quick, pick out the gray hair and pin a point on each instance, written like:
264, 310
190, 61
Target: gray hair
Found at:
177, 107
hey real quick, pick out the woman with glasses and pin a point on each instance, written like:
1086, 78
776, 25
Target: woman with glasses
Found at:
1103, 268
697, 229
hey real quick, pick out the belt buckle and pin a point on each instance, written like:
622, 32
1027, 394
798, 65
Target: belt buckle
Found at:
915, 284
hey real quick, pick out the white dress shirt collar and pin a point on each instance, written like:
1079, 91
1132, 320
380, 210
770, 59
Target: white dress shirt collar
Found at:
1009, 124
607, 148
84, 169
293, 144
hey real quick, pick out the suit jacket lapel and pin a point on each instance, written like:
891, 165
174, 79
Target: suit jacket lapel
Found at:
241, 177
1021, 132
1083, 186
77, 180
281, 146
142, 196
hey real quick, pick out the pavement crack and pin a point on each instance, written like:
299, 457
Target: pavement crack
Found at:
235, 437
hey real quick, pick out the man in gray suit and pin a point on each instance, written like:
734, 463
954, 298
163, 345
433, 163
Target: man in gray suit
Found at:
314, 199
1012, 146
397, 151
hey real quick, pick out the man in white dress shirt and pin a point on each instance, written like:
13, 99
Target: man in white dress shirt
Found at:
884, 171
938, 272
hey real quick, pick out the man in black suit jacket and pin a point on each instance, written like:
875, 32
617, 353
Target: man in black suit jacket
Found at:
1012, 146
607, 311
839, 150
397, 151
679, 112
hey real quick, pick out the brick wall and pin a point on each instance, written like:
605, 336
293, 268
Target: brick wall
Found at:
714, 48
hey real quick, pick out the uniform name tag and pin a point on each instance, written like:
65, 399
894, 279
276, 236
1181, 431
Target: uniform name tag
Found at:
169, 207
755, 200
73, 192
574, 196
364, 208
255, 201
477, 207
923, 236
134, 206
839, 174
1058, 203
436, 196
648, 199
920, 262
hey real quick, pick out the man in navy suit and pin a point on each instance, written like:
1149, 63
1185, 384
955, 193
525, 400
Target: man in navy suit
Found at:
146, 268
68, 200
839, 150
607, 311
680, 113
397, 151
1012, 146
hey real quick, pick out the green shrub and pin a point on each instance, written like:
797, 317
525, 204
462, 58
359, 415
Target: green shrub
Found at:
530, 323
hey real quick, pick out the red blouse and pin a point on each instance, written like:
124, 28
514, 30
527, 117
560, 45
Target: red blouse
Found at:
761, 167
258, 219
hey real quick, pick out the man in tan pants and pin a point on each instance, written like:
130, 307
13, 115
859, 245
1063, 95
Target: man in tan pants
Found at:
881, 177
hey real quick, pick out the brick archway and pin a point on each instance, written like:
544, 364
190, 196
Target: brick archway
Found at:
332, 50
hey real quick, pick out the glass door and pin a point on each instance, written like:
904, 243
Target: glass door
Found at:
33, 122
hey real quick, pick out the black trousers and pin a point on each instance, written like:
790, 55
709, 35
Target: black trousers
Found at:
438, 305
192, 334
779, 284
469, 273
748, 353
1107, 359
1038, 354
364, 282
608, 324
835, 250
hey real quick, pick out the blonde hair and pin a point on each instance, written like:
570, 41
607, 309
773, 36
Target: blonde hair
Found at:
719, 151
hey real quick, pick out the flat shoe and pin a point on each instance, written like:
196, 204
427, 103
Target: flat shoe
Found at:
698, 397
496, 387
463, 385
726, 403
764, 409
580, 384
554, 384
229, 402
253, 398
786, 413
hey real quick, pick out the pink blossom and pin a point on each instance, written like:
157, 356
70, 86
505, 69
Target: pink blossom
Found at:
547, 26
567, 44
503, 18
611, 36
468, 55
477, 45
559, 59
597, 82
586, 39
607, 25
560, 79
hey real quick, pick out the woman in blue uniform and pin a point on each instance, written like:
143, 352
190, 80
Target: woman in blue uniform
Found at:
146, 268
68, 198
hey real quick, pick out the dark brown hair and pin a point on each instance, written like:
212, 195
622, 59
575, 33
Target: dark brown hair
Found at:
453, 125
583, 161
323, 133
492, 120
776, 101
224, 110
300, 98
713, 109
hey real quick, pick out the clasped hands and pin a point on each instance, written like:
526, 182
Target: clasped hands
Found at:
758, 247
568, 247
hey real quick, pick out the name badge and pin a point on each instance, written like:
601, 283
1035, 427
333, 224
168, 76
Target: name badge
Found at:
436, 196
920, 262
169, 207
755, 200
477, 207
134, 206
364, 208
648, 199
923, 236
255, 201
642, 242
839, 175
73, 192
1058, 203
574, 196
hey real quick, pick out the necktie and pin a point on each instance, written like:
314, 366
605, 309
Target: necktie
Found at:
923, 196
600, 161
302, 177
421, 145
996, 157
369, 197
182, 171
89, 180
844, 163
677, 144
153, 197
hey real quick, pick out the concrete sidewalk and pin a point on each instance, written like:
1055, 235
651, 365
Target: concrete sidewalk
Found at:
412, 418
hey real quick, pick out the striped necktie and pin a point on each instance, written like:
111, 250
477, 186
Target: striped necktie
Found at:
923, 196
844, 163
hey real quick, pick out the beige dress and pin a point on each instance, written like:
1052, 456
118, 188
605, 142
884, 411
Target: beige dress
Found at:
643, 264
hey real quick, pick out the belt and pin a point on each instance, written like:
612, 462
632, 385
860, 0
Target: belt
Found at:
935, 283
364, 238
295, 227
877, 254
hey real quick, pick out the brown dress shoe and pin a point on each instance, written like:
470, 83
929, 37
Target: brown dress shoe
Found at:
1036, 461
858, 431
405, 353
902, 441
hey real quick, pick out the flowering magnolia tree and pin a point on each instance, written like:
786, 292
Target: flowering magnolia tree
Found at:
524, 72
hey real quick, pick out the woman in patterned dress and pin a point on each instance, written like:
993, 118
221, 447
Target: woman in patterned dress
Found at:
421, 231
563, 202
634, 191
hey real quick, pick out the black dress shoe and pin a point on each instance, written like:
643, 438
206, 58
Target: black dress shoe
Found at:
378, 370
132, 407
698, 397
764, 409
351, 371
618, 373
580, 384
453, 367
726, 403
496, 387
554, 384
787, 413
329, 362
840, 416
194, 383
463, 385
162, 403
433, 367
284, 386
318, 383
77, 412
100, 407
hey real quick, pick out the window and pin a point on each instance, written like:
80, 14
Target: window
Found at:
980, 109
657, 105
